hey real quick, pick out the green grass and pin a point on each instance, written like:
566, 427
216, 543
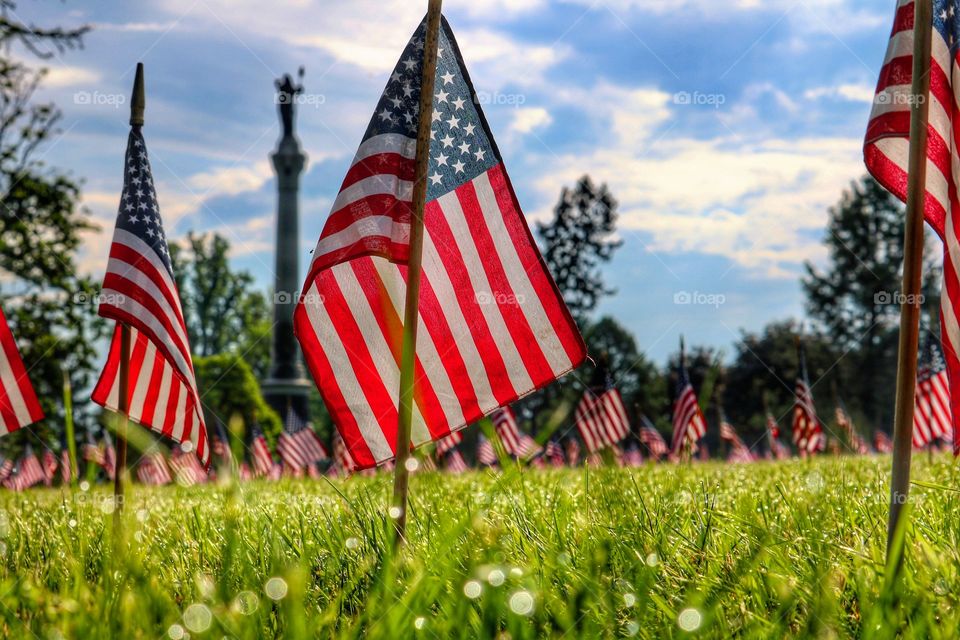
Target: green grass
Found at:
764, 550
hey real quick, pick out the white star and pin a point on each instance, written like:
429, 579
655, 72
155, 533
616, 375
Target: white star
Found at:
410, 63
150, 232
133, 218
395, 76
465, 148
386, 115
442, 159
439, 52
454, 122
447, 141
136, 143
436, 116
407, 90
468, 130
479, 154
436, 178
129, 207
458, 103
142, 205
442, 96
447, 78
458, 166
397, 102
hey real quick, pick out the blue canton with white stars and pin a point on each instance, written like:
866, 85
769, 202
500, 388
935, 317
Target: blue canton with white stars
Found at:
460, 147
139, 211
946, 23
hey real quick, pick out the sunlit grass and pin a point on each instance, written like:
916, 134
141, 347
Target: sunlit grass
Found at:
709, 550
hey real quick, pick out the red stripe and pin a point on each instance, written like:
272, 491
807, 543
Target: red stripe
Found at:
507, 304
332, 396
15, 362
386, 164
894, 179
535, 268
150, 400
140, 263
446, 247
380, 204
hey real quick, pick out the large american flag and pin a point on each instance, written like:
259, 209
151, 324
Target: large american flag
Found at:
492, 325
689, 425
887, 144
807, 431
602, 418
931, 416
18, 401
139, 291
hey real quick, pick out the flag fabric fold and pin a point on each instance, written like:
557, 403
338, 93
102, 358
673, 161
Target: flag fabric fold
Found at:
18, 401
492, 324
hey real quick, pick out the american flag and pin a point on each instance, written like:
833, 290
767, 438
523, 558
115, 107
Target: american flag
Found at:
773, 427
845, 422
66, 470
109, 456
931, 416
689, 425
450, 442
49, 466
139, 290
739, 451
343, 462
186, 467
6, 468
493, 326
220, 441
602, 418
778, 450
573, 452
505, 423
298, 446
554, 453
454, 462
153, 469
632, 457
28, 473
887, 143
882, 442
486, 455
651, 438
807, 431
18, 401
260, 452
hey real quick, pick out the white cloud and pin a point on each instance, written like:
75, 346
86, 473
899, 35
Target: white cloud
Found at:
231, 180
849, 92
526, 119
60, 76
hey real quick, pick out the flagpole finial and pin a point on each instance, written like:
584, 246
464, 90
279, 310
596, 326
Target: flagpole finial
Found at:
138, 100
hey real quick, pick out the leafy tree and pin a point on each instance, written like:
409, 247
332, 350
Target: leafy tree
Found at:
577, 241
222, 311
228, 386
856, 298
51, 308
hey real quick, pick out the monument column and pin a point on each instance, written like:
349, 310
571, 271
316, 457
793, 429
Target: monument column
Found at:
287, 385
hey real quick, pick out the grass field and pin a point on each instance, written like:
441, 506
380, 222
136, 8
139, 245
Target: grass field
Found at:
765, 550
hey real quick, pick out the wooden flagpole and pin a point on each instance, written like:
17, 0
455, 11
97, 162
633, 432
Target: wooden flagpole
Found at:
408, 355
912, 270
137, 106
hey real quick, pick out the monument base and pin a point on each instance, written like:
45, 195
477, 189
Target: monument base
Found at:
282, 394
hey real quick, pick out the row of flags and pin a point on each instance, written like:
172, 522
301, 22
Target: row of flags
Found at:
493, 325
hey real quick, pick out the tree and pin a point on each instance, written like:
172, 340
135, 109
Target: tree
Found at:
51, 308
577, 241
857, 298
228, 387
222, 311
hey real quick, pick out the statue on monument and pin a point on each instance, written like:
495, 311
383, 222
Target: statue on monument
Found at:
286, 99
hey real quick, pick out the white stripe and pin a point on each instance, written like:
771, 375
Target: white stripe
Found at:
362, 229
149, 255
325, 331
512, 360
150, 321
387, 143
531, 305
380, 184
9, 381
142, 384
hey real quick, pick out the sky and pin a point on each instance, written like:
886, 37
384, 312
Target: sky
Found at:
724, 130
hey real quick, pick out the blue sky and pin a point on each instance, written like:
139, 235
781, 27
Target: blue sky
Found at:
724, 129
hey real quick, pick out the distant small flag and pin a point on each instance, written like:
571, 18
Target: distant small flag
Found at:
18, 401
689, 425
650, 437
49, 466
6, 468
260, 453
343, 461
573, 452
882, 442
808, 433
773, 428
739, 451
554, 453
220, 441
29, 472
845, 422
450, 442
602, 419
632, 456
140, 291
153, 470
505, 423
298, 445
486, 455
493, 325
109, 456
186, 467
931, 416
454, 462
778, 450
